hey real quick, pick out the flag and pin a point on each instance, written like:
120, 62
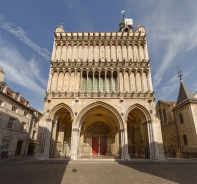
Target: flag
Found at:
122, 11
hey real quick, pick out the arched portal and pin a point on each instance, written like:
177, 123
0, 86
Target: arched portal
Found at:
99, 133
138, 143
61, 132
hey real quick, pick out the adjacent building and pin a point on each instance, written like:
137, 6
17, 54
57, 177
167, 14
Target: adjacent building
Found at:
18, 122
179, 124
100, 99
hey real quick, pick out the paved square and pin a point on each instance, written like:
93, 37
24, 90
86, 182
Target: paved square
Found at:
93, 173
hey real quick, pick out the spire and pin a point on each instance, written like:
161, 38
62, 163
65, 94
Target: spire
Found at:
184, 93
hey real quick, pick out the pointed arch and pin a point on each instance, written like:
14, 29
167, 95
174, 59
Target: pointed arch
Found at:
141, 110
100, 105
58, 109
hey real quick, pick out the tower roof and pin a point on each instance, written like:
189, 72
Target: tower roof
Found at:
184, 93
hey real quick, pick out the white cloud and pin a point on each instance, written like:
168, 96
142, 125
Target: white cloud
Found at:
18, 70
21, 34
171, 34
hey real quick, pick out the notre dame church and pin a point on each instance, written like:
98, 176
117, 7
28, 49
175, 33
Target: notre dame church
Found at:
99, 100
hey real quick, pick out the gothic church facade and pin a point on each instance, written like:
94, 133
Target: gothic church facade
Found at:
100, 99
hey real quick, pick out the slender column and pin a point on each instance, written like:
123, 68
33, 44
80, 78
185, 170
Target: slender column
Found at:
111, 81
123, 78
93, 81
126, 154
147, 78
81, 81
144, 52
127, 52
69, 76
61, 46
130, 81
151, 142
105, 82
87, 89
122, 143
53, 140
46, 138
142, 85
135, 83
133, 52
118, 81
99, 80
50, 81
74, 143
138, 48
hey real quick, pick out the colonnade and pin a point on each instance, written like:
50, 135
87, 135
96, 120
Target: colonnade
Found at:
110, 51
100, 80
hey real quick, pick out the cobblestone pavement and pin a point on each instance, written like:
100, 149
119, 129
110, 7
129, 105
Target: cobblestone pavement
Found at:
93, 173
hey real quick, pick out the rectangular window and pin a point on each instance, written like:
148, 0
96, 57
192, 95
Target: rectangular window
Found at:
11, 123
36, 124
5, 144
23, 126
34, 135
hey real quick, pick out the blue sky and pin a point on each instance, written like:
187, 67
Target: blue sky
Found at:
26, 39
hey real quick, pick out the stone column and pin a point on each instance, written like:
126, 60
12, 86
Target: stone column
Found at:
74, 143
46, 139
53, 137
126, 154
122, 143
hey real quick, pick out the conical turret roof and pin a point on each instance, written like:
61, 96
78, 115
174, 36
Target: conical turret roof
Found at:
184, 94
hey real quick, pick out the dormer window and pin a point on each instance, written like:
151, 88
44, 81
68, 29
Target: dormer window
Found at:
1, 88
25, 114
16, 97
14, 108
1, 103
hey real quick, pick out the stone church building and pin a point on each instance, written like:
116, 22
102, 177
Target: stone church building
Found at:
179, 124
100, 100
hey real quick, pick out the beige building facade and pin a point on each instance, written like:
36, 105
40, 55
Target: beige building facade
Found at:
99, 99
18, 122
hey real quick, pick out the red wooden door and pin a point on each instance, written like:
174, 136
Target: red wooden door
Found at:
94, 145
103, 145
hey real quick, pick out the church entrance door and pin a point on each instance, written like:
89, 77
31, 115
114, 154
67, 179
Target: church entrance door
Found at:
103, 145
94, 145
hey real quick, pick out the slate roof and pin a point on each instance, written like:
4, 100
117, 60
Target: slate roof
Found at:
184, 94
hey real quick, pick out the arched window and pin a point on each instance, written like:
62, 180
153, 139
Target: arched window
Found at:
102, 83
84, 82
164, 116
114, 83
90, 83
185, 140
96, 83
107, 83
181, 118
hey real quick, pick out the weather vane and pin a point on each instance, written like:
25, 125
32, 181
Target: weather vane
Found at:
180, 75
123, 13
